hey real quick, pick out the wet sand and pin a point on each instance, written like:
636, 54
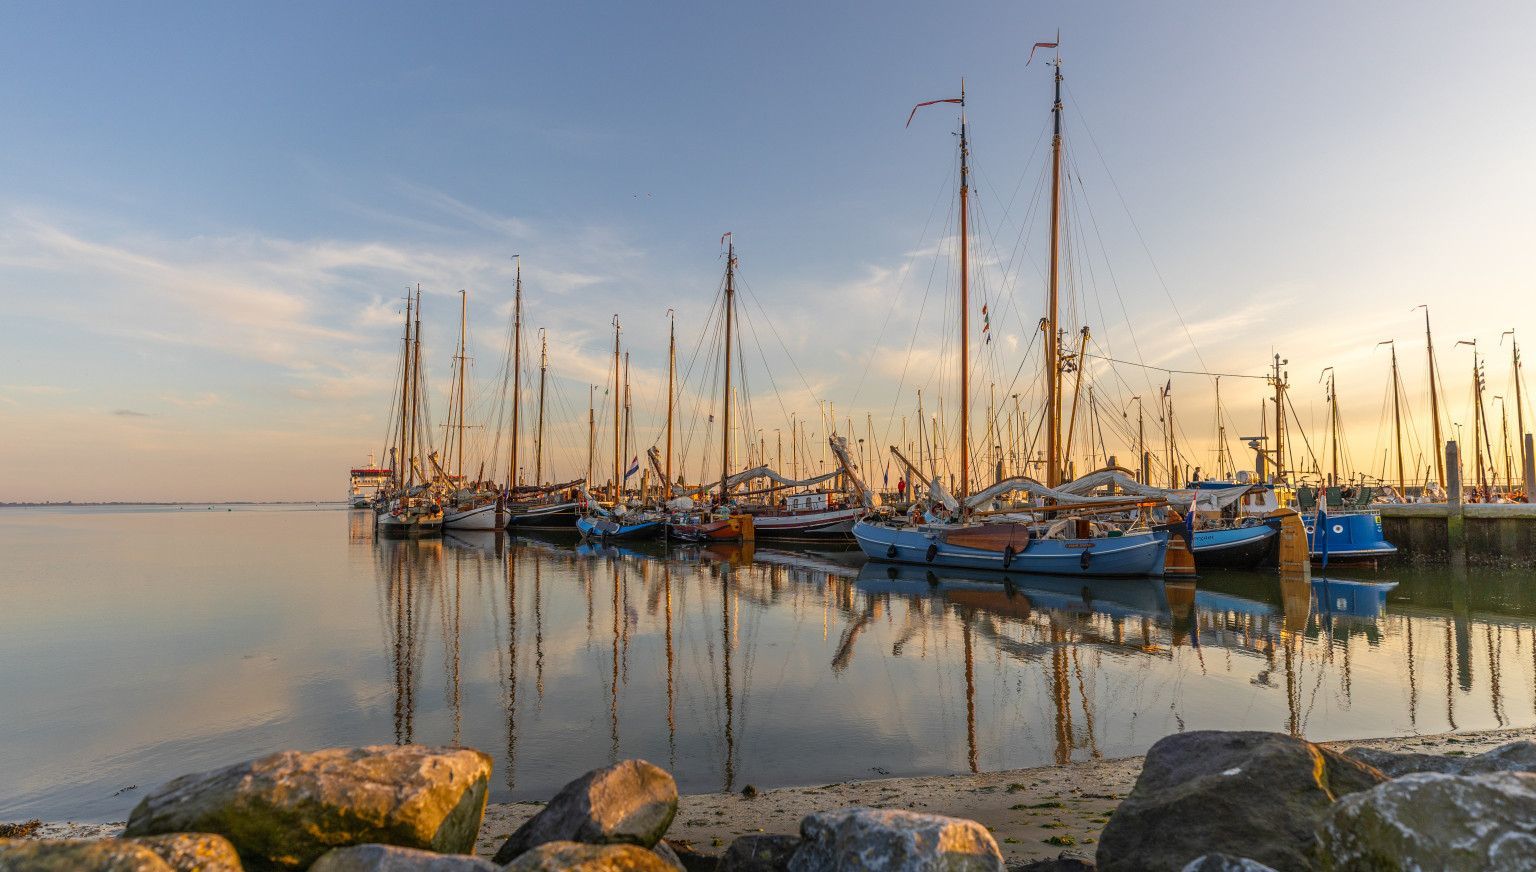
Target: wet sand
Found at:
1033, 813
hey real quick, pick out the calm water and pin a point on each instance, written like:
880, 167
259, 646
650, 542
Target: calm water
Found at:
140, 644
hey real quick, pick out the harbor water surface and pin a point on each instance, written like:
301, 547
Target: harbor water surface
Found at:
142, 643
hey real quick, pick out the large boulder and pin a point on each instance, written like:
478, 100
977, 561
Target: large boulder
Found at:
578, 857
1435, 821
194, 852
630, 802
392, 858
284, 810
77, 855
1246, 794
895, 840
1514, 757
759, 853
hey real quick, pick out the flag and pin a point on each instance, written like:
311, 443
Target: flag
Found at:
1320, 525
929, 103
1189, 522
887, 475
1041, 45
634, 467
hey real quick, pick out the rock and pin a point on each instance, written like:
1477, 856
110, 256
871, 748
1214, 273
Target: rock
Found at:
630, 802
759, 853
893, 839
194, 852
284, 810
560, 856
665, 852
77, 855
1513, 757
1431, 820
391, 858
692, 859
1246, 794
1066, 861
1226, 863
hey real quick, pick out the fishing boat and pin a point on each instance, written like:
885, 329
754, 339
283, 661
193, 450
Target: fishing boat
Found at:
1054, 540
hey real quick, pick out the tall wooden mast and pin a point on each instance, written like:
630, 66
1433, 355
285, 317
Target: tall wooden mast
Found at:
517, 372
591, 432
1279, 383
1333, 428
1052, 332
618, 470
666, 486
538, 439
965, 306
628, 409
725, 399
401, 456
415, 386
1397, 420
463, 319
1434, 401
1519, 401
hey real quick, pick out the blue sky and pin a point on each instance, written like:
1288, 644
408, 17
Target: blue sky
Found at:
210, 211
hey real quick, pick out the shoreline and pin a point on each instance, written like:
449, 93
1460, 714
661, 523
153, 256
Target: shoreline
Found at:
1033, 813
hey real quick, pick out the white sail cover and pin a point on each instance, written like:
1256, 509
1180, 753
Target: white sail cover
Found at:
1081, 490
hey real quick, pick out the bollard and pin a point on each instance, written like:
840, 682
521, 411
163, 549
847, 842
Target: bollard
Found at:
1455, 532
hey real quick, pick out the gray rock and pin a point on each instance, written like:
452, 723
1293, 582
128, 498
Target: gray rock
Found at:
1066, 861
893, 839
692, 859
1431, 820
665, 852
77, 855
630, 802
390, 858
1226, 863
194, 852
284, 810
578, 857
759, 853
1513, 757
1246, 794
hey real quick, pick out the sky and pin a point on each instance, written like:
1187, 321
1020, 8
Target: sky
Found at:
210, 215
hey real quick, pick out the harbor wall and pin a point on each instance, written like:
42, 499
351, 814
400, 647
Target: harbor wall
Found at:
1492, 534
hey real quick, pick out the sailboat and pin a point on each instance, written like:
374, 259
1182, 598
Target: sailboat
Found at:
536, 506
469, 505
957, 535
413, 509
616, 521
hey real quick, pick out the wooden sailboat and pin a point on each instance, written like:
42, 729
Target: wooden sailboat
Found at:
616, 521
542, 506
469, 505
1052, 543
413, 510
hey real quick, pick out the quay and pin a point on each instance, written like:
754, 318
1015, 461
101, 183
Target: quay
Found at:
1481, 534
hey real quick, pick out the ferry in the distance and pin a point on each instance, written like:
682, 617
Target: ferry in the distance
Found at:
364, 484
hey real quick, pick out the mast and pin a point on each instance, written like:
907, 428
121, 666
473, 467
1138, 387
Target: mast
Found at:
538, 442
1519, 402
965, 308
666, 487
405, 395
463, 318
725, 400
415, 385
1279, 384
618, 470
591, 431
1221, 435
517, 370
1397, 421
1077, 390
1434, 402
1052, 336
628, 410
1333, 428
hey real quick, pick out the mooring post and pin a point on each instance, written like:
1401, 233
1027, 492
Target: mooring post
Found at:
1455, 540
1530, 469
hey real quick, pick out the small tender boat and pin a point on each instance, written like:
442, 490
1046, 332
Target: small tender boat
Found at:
608, 528
1353, 537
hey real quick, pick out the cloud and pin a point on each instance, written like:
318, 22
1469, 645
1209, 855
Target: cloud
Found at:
130, 413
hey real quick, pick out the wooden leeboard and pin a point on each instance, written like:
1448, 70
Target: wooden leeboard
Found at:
1294, 554
989, 537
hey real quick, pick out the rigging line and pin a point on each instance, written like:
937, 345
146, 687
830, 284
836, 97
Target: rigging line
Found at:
900, 286
771, 329
1296, 418
1078, 113
917, 323
1177, 371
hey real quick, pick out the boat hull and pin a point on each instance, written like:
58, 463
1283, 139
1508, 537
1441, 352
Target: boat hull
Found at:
607, 530
1134, 555
831, 524
709, 531
475, 517
1234, 547
409, 526
554, 516
1351, 538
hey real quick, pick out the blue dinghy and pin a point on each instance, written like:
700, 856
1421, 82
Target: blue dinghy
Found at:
980, 546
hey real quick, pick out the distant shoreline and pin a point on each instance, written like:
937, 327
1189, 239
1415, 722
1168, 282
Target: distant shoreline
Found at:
72, 503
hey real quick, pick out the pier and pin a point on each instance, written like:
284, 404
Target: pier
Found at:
1483, 534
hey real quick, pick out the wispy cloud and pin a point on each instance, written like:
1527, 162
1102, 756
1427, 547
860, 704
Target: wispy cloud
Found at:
130, 413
